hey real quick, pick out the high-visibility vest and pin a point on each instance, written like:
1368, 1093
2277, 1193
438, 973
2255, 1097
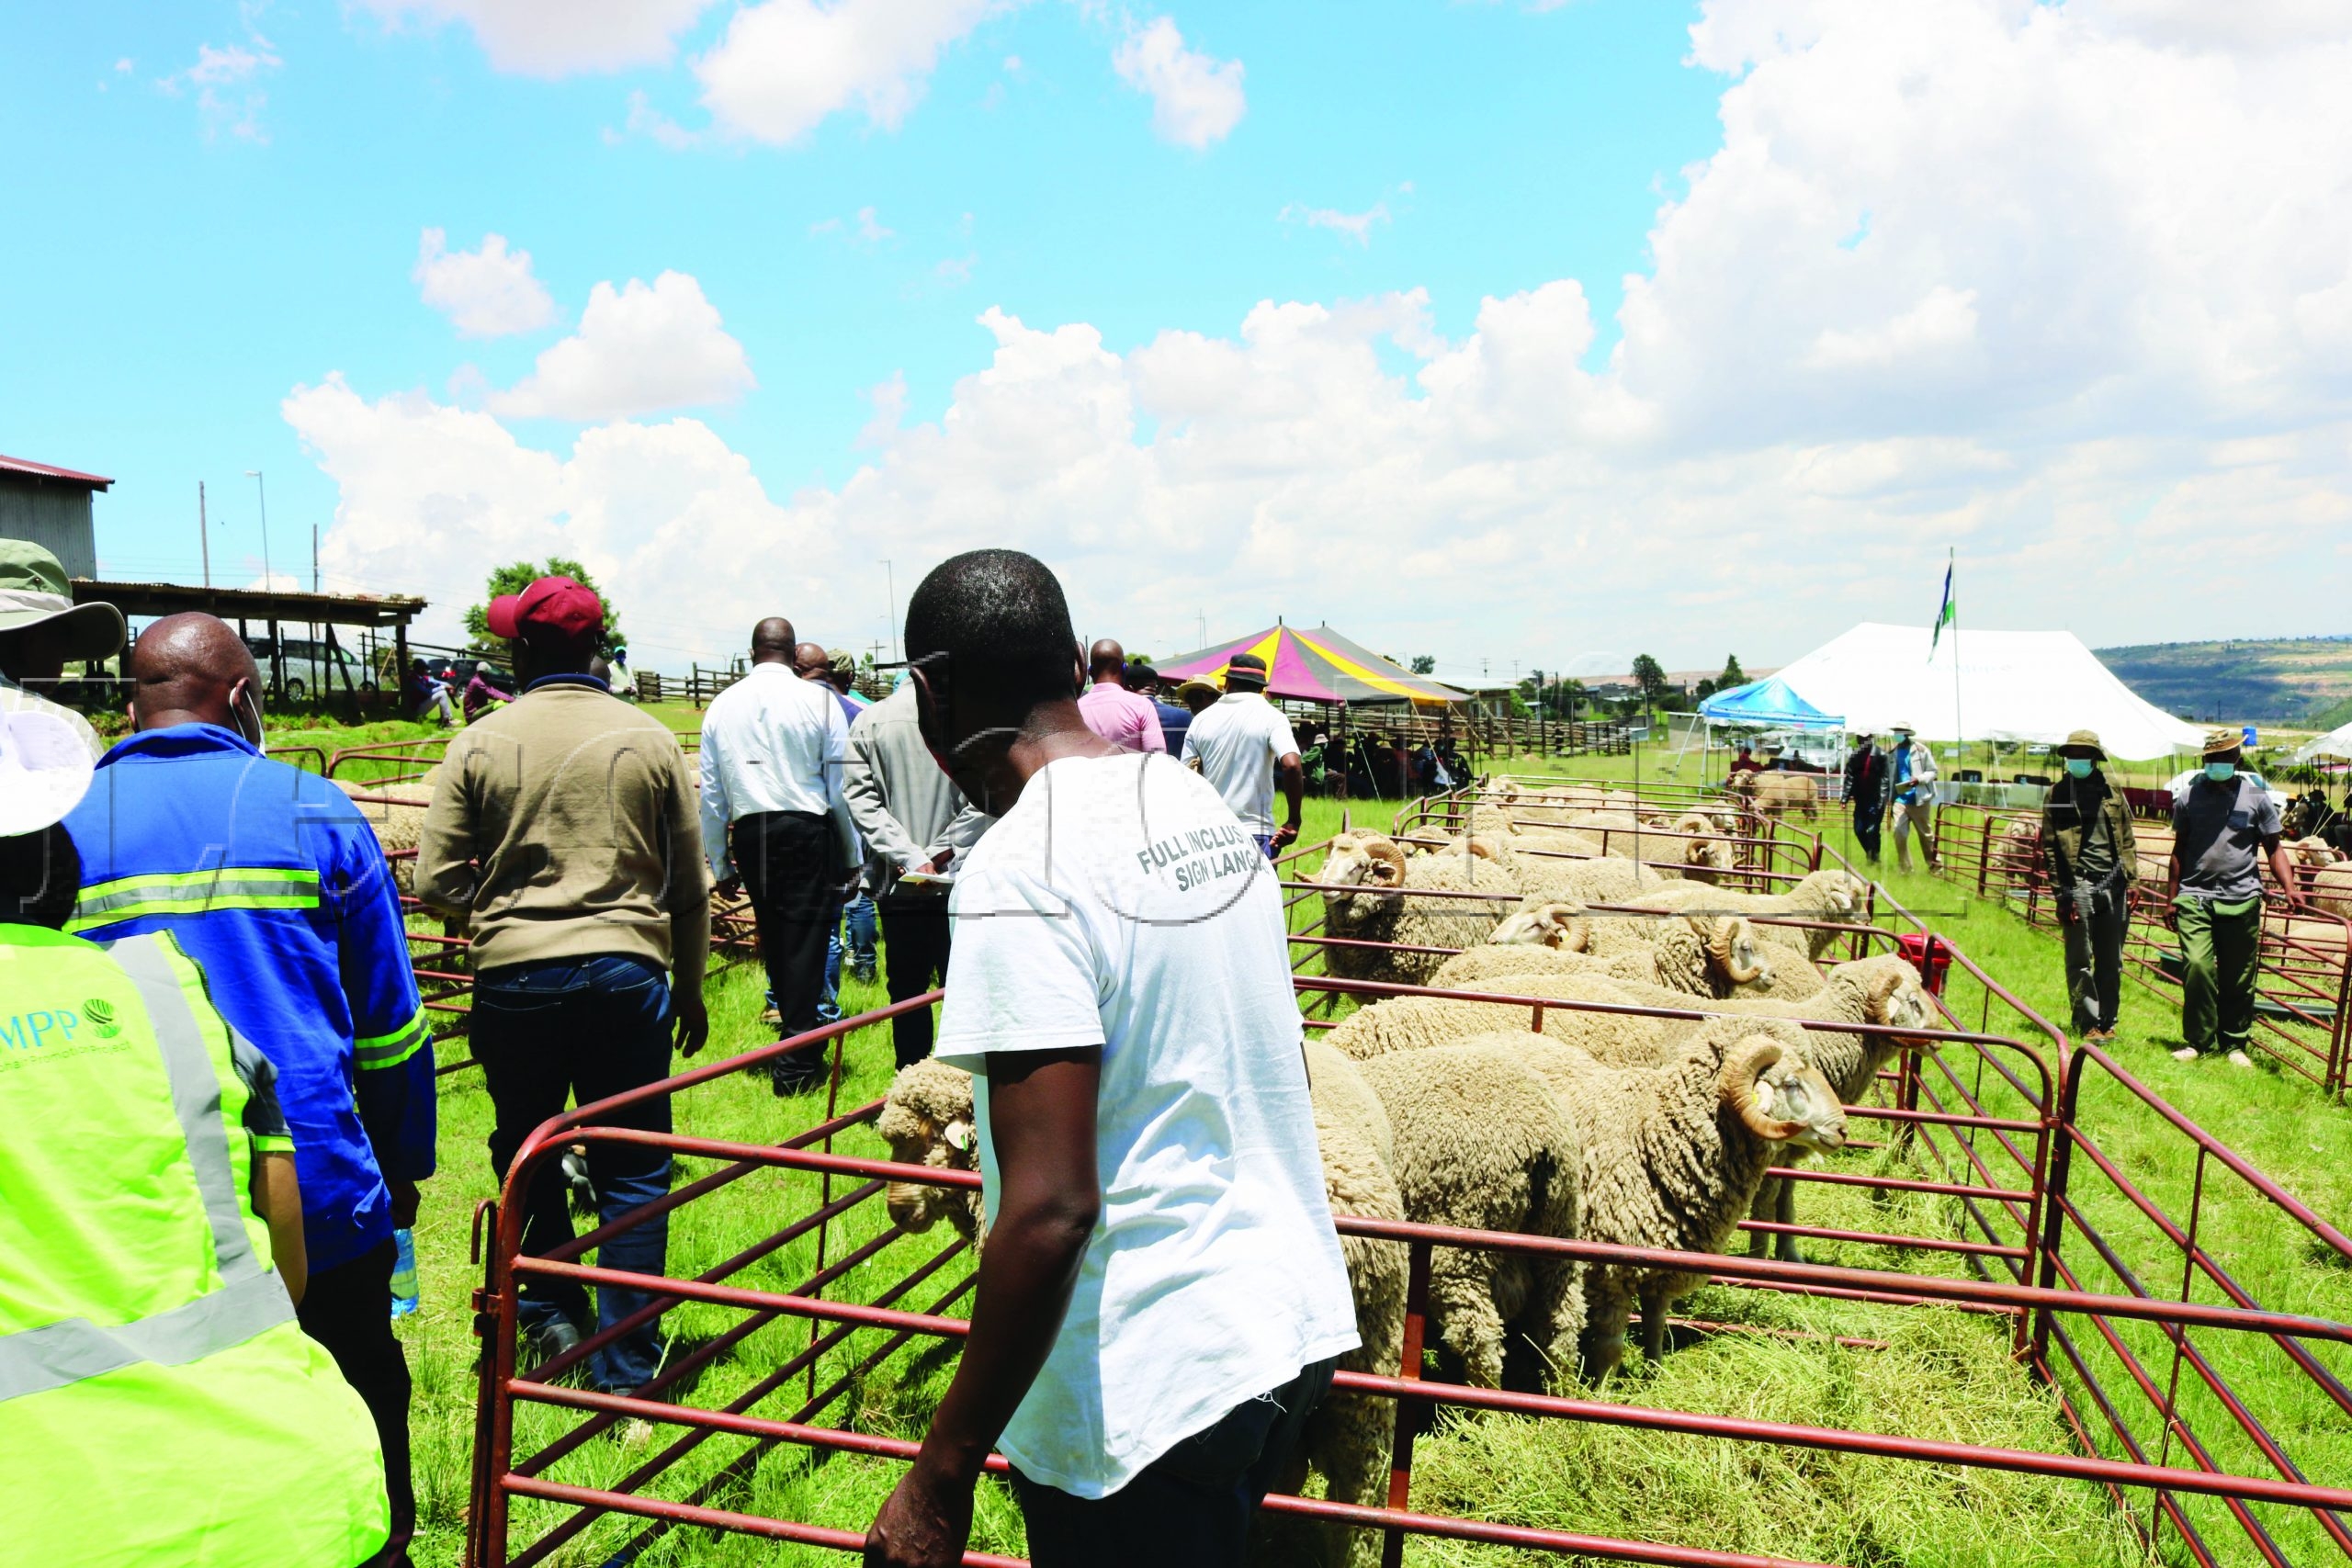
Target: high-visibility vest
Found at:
159, 1405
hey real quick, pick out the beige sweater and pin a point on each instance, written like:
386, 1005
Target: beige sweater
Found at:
564, 824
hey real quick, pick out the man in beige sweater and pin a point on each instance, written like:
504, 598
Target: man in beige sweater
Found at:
564, 826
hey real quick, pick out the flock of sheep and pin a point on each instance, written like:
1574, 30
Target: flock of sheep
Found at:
1532, 1113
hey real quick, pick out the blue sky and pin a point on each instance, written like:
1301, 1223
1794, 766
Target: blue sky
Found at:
216, 235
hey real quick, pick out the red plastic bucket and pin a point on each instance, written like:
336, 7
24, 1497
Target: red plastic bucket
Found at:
1931, 955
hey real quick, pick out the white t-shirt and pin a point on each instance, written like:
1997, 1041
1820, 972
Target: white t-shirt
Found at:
1119, 904
1238, 738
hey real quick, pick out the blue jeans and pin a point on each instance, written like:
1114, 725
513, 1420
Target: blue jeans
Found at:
584, 1027
858, 916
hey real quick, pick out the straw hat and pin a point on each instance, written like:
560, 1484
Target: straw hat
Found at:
2223, 739
1196, 687
2083, 744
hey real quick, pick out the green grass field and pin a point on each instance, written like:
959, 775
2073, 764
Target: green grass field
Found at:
1941, 1373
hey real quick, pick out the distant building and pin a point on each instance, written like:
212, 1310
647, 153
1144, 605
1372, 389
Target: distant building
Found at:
51, 506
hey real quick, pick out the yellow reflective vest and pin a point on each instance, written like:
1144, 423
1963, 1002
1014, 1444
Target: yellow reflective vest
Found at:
158, 1403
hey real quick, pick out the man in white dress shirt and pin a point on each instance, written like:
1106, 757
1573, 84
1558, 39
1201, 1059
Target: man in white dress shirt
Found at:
774, 825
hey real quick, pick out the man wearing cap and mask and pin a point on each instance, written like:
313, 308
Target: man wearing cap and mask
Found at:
1915, 798
564, 826
271, 879
2220, 816
151, 1244
2087, 844
41, 629
1244, 747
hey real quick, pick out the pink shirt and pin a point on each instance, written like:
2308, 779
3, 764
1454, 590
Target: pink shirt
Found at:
1124, 719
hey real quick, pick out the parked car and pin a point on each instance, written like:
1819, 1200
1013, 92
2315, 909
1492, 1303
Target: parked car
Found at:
312, 667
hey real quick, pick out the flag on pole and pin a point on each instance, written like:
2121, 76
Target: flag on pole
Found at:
1947, 616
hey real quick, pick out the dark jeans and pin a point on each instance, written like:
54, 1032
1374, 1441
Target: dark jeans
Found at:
348, 1310
2095, 953
791, 866
1867, 817
1190, 1507
587, 1028
857, 918
914, 944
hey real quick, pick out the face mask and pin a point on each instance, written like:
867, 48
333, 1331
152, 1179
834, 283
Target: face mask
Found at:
2221, 772
258, 737
2079, 766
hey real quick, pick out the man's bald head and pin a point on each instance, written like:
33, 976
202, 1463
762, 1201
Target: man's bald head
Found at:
811, 662
1107, 660
772, 641
194, 669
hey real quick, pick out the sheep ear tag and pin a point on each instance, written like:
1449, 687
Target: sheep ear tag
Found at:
959, 1136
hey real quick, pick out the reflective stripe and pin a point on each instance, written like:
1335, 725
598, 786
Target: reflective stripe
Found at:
390, 1050
196, 1099
193, 893
56, 1354
251, 1299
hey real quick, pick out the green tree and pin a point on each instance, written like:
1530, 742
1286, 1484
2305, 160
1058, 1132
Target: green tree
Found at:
1732, 674
1649, 679
1424, 663
514, 577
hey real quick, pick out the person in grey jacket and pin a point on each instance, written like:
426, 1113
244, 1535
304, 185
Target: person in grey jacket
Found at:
913, 819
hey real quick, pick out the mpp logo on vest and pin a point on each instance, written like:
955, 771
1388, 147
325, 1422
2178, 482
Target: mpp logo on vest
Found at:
31, 1031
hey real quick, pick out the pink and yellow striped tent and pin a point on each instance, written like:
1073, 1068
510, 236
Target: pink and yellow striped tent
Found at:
1319, 666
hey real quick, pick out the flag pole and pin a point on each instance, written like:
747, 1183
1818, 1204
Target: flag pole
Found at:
1951, 576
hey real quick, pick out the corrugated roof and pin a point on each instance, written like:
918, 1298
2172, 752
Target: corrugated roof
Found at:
51, 471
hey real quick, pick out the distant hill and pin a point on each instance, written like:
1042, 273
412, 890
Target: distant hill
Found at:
2298, 681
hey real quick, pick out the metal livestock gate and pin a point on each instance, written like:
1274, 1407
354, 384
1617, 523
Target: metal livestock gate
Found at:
2183, 1391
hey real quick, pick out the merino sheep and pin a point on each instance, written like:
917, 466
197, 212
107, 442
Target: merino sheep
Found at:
1831, 894
1881, 989
1368, 877
1673, 1153
1774, 793
2330, 885
1421, 1024
397, 824
1788, 972
927, 1120
1482, 1145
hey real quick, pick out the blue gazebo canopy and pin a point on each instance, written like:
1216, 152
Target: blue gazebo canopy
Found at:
1769, 703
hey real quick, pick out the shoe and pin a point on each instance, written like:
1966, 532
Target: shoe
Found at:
866, 973
770, 1017
791, 1077
556, 1337
2187, 1054
2240, 1059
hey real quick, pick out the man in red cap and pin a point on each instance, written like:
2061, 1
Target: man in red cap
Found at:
564, 826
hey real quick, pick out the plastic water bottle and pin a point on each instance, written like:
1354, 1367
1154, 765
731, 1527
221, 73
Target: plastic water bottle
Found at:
404, 1298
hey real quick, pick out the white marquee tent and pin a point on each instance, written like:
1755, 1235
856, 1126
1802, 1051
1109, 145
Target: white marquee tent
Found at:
2012, 686
2336, 742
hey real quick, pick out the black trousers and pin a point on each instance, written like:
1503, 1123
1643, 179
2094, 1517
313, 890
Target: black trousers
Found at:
1868, 814
1191, 1507
914, 959
791, 868
348, 1310
2095, 952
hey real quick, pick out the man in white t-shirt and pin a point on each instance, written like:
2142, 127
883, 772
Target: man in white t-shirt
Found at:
1163, 1295
1244, 747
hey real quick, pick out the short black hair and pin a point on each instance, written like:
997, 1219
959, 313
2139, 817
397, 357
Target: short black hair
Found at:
1000, 618
40, 878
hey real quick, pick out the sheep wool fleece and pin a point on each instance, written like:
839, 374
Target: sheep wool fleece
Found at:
1120, 904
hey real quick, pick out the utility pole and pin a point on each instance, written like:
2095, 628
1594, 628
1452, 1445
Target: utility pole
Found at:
890, 588
262, 490
314, 558
203, 539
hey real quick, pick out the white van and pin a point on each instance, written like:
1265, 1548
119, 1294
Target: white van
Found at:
313, 668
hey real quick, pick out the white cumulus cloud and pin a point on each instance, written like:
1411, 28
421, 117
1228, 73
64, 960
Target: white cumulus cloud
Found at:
485, 292
1356, 226
1195, 99
554, 38
640, 349
2066, 286
784, 65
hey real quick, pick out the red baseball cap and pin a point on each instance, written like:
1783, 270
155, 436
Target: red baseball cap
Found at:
556, 604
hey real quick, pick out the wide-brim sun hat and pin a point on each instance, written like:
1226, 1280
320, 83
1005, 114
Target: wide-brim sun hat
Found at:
1196, 687
45, 770
2083, 744
2223, 739
33, 592
1904, 729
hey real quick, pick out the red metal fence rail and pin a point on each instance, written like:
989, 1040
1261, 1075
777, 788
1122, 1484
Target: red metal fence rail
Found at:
2189, 1398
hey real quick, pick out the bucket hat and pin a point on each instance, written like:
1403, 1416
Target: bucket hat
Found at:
33, 591
45, 770
2083, 744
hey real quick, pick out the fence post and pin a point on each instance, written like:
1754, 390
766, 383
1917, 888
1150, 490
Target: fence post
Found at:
1408, 1413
